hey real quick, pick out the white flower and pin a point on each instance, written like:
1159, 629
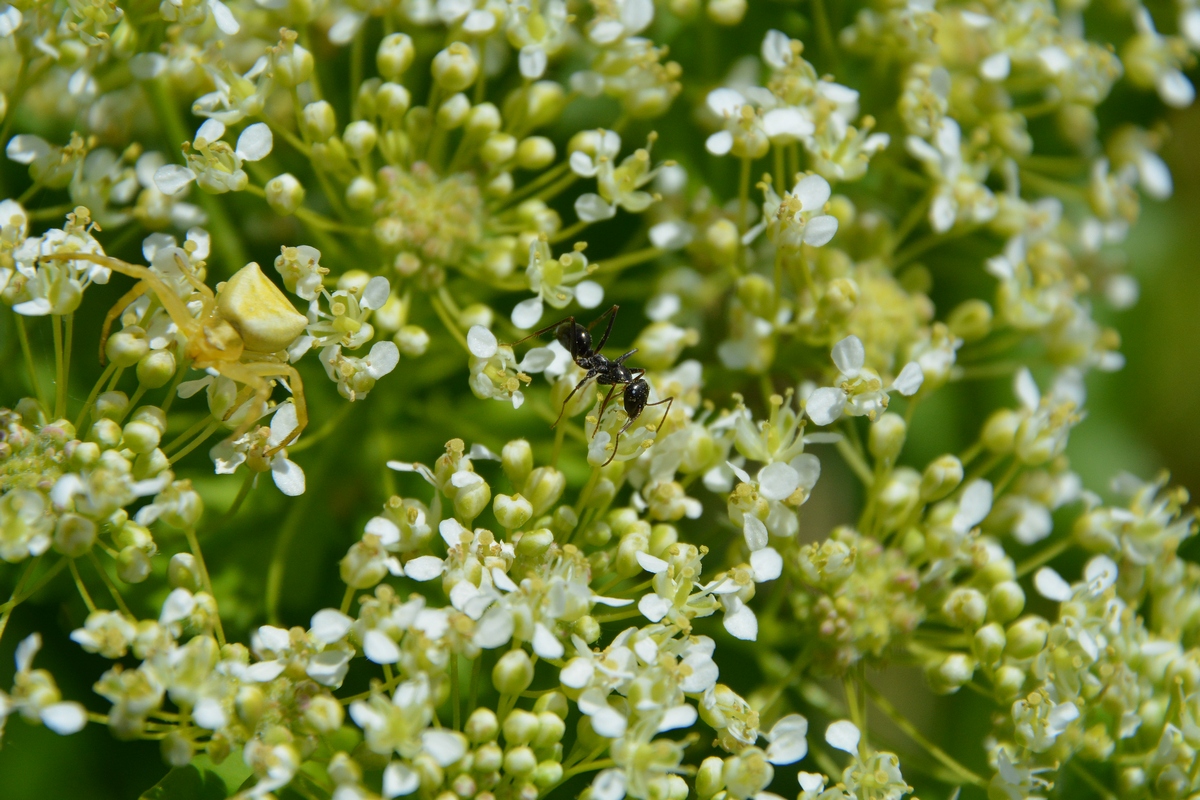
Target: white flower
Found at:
213, 164
797, 218
843, 735
36, 696
251, 448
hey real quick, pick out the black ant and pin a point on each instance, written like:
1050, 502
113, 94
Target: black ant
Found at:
577, 340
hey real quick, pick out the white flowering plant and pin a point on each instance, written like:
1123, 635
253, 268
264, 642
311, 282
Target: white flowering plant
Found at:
743, 276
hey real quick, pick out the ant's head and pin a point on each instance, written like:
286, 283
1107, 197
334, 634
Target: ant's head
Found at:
574, 338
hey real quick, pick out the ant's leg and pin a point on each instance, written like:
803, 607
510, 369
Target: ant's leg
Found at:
612, 317
604, 404
539, 332
668, 401
139, 289
617, 440
621, 358
589, 376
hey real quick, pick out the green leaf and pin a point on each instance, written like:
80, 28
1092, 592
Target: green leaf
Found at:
201, 780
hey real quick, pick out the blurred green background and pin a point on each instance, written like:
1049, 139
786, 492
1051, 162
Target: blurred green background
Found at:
283, 552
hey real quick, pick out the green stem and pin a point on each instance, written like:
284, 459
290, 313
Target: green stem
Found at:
199, 440
885, 705
83, 592
1045, 557
23, 337
108, 582
91, 398
347, 600
194, 544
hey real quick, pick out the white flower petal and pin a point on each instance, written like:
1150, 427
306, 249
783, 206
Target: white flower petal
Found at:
778, 481
382, 359
224, 17
825, 405
589, 294
1051, 585
262, 672
654, 607
64, 718
975, 505
681, 716
849, 355
481, 342
424, 568
532, 62
545, 643
788, 740
446, 747
329, 625
755, 532
256, 142
843, 735
527, 313
725, 102
909, 381
651, 563
592, 207
767, 564
288, 476
719, 143
26, 650
382, 527
399, 780
172, 179
812, 191
820, 230
379, 648
740, 620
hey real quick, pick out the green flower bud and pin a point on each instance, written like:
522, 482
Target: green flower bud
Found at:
133, 565
1007, 682
965, 608
453, 113
498, 149
324, 713
126, 347
951, 673
1026, 637
1131, 781
156, 369
176, 749
941, 477
547, 774
218, 748
455, 68
662, 536
520, 727
971, 320
84, 455
470, 501
394, 56
413, 341
726, 12
293, 67
360, 194
748, 773
517, 460
489, 758
484, 119
520, 761
74, 535
536, 153
886, 437
533, 544
564, 520
140, 437
631, 544
551, 726
757, 295
1000, 431
150, 465
360, 138
512, 511
344, 769
513, 673
182, 572
710, 778
482, 726
392, 102
989, 643
250, 704
588, 628
111, 405
1006, 601
105, 433
543, 488
319, 121
285, 194
544, 103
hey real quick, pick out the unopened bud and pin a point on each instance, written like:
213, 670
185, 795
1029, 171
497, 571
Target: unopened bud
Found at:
886, 437
726, 12
551, 727
520, 727
140, 437
133, 565
512, 511
941, 477
285, 194
1026, 637
319, 121
513, 673
723, 237
1000, 430
105, 433
951, 674
482, 726
360, 194
1008, 681
455, 68
182, 572
965, 608
757, 294
74, 535
250, 704
176, 749
156, 368
293, 68
971, 320
535, 152
324, 713
453, 112
989, 643
543, 488
413, 341
360, 138
517, 460
520, 761
125, 348
1006, 601
394, 56
470, 501
710, 777
498, 148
